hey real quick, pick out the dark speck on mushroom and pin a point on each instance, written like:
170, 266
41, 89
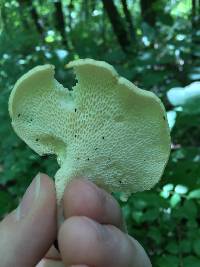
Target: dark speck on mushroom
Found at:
36, 139
164, 118
18, 115
102, 137
75, 110
75, 135
88, 159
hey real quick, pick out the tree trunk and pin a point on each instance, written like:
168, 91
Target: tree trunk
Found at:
128, 19
199, 7
60, 22
196, 11
86, 9
195, 21
26, 24
103, 29
195, 15
34, 15
70, 9
37, 20
3, 20
117, 24
147, 11
93, 5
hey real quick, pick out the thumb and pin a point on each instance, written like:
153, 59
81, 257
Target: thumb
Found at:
28, 232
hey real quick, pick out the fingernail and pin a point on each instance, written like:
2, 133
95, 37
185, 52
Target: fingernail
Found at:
31, 195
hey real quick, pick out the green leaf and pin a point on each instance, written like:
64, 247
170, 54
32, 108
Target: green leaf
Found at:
171, 118
6, 202
194, 76
152, 77
155, 234
166, 18
168, 187
191, 261
196, 247
168, 261
195, 194
190, 209
165, 194
184, 166
137, 216
172, 247
175, 199
181, 189
185, 246
188, 97
151, 214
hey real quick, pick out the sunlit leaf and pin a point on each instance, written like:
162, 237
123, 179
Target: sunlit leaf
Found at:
194, 194
175, 199
181, 189
187, 97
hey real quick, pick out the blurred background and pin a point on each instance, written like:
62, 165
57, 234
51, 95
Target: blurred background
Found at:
153, 43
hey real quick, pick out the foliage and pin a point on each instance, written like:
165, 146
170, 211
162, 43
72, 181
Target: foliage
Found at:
163, 53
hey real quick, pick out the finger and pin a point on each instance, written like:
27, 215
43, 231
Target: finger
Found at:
28, 232
84, 241
84, 198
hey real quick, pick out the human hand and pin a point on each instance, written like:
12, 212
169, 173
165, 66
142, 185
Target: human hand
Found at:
92, 234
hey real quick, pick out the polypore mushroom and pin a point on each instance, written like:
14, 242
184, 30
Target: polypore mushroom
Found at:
105, 129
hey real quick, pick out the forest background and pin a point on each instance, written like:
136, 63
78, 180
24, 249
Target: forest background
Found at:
153, 43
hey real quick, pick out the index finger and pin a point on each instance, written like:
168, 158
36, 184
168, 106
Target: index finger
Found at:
84, 198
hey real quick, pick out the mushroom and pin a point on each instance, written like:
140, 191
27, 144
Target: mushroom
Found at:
105, 129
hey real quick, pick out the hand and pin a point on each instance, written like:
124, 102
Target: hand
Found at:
92, 234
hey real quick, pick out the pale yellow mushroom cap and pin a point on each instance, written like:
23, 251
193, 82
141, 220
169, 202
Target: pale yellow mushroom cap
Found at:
105, 129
